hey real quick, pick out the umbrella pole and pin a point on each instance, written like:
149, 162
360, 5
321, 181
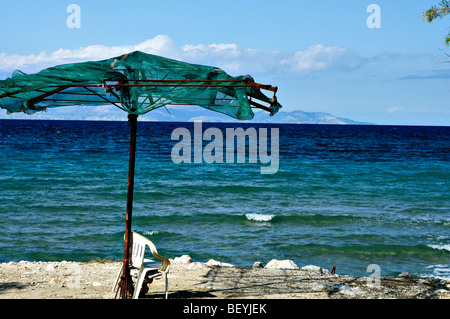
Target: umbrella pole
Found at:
126, 284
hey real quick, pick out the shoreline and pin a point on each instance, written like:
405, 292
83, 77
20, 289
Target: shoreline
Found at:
212, 280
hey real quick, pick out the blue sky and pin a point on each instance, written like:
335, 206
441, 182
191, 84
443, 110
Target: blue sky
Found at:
321, 54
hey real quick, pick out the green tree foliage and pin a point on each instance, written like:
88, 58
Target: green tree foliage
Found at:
436, 12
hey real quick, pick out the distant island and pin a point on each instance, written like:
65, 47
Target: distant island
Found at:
178, 113
190, 114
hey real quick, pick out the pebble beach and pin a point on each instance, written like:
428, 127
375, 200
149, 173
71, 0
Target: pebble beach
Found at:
278, 279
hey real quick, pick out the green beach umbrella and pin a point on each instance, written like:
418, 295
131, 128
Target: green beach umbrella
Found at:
136, 83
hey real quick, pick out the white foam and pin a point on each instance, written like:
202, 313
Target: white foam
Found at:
440, 271
443, 247
259, 217
150, 232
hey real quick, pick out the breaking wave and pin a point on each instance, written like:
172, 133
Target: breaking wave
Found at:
259, 217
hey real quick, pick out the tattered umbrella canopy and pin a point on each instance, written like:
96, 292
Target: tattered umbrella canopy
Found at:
137, 83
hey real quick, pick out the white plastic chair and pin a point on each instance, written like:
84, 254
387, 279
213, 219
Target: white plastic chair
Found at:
148, 268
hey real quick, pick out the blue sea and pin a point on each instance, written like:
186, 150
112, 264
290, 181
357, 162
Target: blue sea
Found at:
344, 195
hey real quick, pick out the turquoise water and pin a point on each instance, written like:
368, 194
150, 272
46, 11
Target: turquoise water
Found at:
349, 196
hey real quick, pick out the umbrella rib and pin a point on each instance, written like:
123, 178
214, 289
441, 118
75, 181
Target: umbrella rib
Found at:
43, 96
104, 98
181, 80
115, 95
248, 84
188, 85
260, 106
74, 101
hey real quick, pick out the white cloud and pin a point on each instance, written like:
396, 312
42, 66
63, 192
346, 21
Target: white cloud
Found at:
32, 63
395, 109
229, 57
319, 57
